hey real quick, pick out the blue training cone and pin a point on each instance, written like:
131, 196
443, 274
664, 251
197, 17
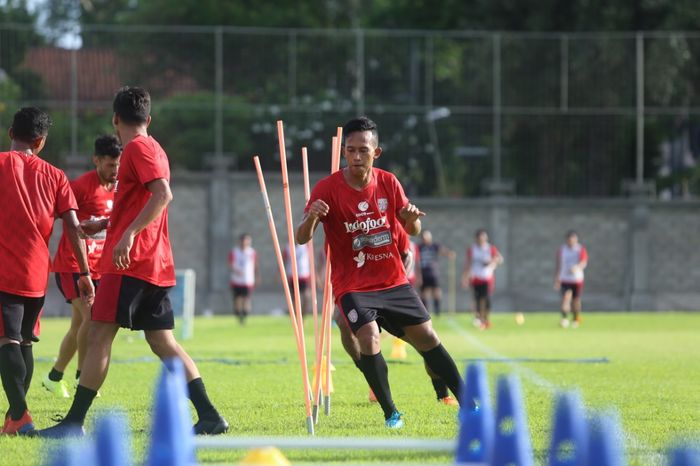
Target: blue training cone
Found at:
112, 446
569, 444
72, 453
605, 441
684, 456
172, 438
475, 442
512, 440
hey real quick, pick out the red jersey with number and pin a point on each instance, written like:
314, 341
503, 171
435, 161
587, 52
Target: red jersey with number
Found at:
95, 202
142, 161
33, 194
362, 231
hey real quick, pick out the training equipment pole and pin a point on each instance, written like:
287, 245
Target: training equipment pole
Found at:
311, 253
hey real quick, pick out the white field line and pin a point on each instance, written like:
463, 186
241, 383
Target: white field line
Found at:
634, 443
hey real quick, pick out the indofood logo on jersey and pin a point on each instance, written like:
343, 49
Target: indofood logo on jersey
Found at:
365, 225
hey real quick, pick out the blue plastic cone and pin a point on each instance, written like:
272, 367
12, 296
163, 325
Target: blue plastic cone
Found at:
475, 443
512, 440
112, 446
684, 456
172, 438
605, 441
72, 453
569, 445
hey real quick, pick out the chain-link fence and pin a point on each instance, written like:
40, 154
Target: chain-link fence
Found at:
460, 113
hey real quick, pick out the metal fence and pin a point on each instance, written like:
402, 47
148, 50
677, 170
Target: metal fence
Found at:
460, 113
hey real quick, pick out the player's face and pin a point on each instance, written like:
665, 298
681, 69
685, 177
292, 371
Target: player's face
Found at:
361, 150
483, 238
246, 241
427, 237
107, 168
572, 240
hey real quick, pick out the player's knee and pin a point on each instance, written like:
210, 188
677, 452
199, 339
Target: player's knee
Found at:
368, 339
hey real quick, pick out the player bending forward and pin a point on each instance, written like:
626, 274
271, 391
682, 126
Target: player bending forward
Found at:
362, 208
94, 192
572, 260
137, 269
33, 194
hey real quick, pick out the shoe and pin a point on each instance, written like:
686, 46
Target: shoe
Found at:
211, 426
21, 426
372, 397
448, 401
564, 323
577, 321
476, 322
58, 389
61, 430
395, 421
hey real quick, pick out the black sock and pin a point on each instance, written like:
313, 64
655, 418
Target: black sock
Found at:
81, 405
28, 356
564, 314
436, 305
358, 363
440, 388
55, 376
13, 372
200, 400
377, 375
77, 374
441, 363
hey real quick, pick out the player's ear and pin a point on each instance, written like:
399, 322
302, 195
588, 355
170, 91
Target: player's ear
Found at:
115, 120
38, 144
377, 152
148, 121
11, 133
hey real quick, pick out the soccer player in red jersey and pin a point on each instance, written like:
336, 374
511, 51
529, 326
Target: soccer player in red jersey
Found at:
572, 260
33, 193
94, 192
362, 208
137, 269
243, 263
478, 274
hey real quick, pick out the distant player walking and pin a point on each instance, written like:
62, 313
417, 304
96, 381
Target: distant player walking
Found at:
94, 192
303, 272
137, 269
362, 208
478, 274
243, 262
429, 280
572, 260
33, 194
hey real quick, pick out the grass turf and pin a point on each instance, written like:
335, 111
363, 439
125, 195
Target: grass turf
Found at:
253, 376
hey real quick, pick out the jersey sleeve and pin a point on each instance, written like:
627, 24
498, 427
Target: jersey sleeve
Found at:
494, 251
583, 255
146, 164
65, 199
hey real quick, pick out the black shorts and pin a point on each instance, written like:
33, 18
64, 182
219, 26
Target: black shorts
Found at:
133, 303
576, 289
240, 291
68, 285
392, 309
18, 316
428, 280
481, 290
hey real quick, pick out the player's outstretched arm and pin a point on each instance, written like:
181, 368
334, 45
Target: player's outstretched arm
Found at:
411, 215
317, 210
72, 229
159, 200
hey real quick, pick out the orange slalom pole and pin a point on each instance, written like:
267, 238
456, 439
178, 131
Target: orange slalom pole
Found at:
311, 252
326, 303
285, 285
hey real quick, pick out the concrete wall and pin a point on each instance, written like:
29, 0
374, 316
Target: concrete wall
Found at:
643, 254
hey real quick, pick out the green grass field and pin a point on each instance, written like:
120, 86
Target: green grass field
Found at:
651, 377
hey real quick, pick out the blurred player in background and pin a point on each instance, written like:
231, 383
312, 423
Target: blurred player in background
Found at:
429, 279
243, 261
362, 208
478, 274
572, 260
94, 192
137, 270
33, 194
303, 272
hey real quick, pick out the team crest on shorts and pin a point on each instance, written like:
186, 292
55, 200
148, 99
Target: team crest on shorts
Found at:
363, 206
383, 204
352, 316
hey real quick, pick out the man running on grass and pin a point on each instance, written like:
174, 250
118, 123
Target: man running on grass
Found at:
362, 208
94, 192
137, 269
33, 194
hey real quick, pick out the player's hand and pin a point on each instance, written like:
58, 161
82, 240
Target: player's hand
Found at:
410, 213
466, 278
318, 209
87, 289
120, 254
557, 285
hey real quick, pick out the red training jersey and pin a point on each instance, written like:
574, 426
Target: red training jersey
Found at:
94, 203
362, 232
142, 161
33, 194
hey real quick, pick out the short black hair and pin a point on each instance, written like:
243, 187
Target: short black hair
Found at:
571, 233
361, 124
30, 124
108, 145
244, 236
479, 232
132, 105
